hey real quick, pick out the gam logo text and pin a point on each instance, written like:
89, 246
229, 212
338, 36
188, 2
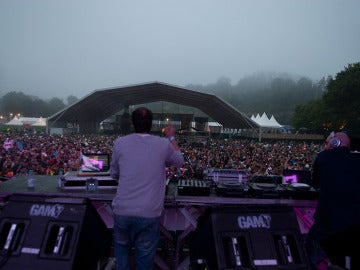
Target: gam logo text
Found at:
260, 221
46, 210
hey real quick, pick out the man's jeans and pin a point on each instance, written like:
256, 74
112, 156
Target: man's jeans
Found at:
141, 233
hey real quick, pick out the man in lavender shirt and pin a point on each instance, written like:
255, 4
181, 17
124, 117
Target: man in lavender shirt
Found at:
138, 163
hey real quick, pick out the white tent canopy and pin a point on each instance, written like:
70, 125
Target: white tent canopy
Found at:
33, 121
265, 121
40, 122
14, 122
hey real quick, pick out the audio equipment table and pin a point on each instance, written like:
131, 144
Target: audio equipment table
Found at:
182, 214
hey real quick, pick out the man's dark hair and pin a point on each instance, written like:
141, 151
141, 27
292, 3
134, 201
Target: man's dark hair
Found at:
142, 120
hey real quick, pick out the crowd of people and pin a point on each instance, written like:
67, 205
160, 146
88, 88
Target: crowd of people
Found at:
47, 154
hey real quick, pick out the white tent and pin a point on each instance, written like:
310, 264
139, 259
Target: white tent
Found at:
273, 122
28, 120
265, 121
256, 118
40, 122
33, 121
14, 122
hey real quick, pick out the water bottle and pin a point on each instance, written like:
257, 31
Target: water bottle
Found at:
60, 178
31, 179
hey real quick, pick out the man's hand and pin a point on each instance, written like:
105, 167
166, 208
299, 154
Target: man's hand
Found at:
169, 130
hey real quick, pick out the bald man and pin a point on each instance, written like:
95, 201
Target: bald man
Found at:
336, 173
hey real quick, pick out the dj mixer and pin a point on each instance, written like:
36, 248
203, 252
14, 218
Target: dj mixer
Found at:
193, 187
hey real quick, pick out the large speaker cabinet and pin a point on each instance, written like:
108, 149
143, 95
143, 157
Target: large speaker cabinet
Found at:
55, 233
248, 237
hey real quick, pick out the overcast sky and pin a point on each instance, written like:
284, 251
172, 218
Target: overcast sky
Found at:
73, 47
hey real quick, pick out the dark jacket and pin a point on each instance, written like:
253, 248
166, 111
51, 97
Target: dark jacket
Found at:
337, 174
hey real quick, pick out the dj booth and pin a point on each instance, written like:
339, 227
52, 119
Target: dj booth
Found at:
203, 226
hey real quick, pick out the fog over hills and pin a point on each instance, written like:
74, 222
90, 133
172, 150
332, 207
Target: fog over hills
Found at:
61, 48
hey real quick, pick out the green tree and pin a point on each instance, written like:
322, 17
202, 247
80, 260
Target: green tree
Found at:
15, 102
311, 116
55, 105
339, 106
343, 99
37, 107
29, 106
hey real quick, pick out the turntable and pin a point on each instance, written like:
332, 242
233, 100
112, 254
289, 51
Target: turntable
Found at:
232, 189
300, 191
300, 186
226, 175
267, 186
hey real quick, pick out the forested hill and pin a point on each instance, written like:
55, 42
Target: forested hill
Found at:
265, 92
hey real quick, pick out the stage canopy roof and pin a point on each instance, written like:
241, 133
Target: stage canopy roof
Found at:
101, 104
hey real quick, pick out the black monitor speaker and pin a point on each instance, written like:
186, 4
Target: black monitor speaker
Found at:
248, 237
54, 233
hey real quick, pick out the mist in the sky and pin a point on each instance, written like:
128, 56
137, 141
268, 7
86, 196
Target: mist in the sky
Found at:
59, 48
